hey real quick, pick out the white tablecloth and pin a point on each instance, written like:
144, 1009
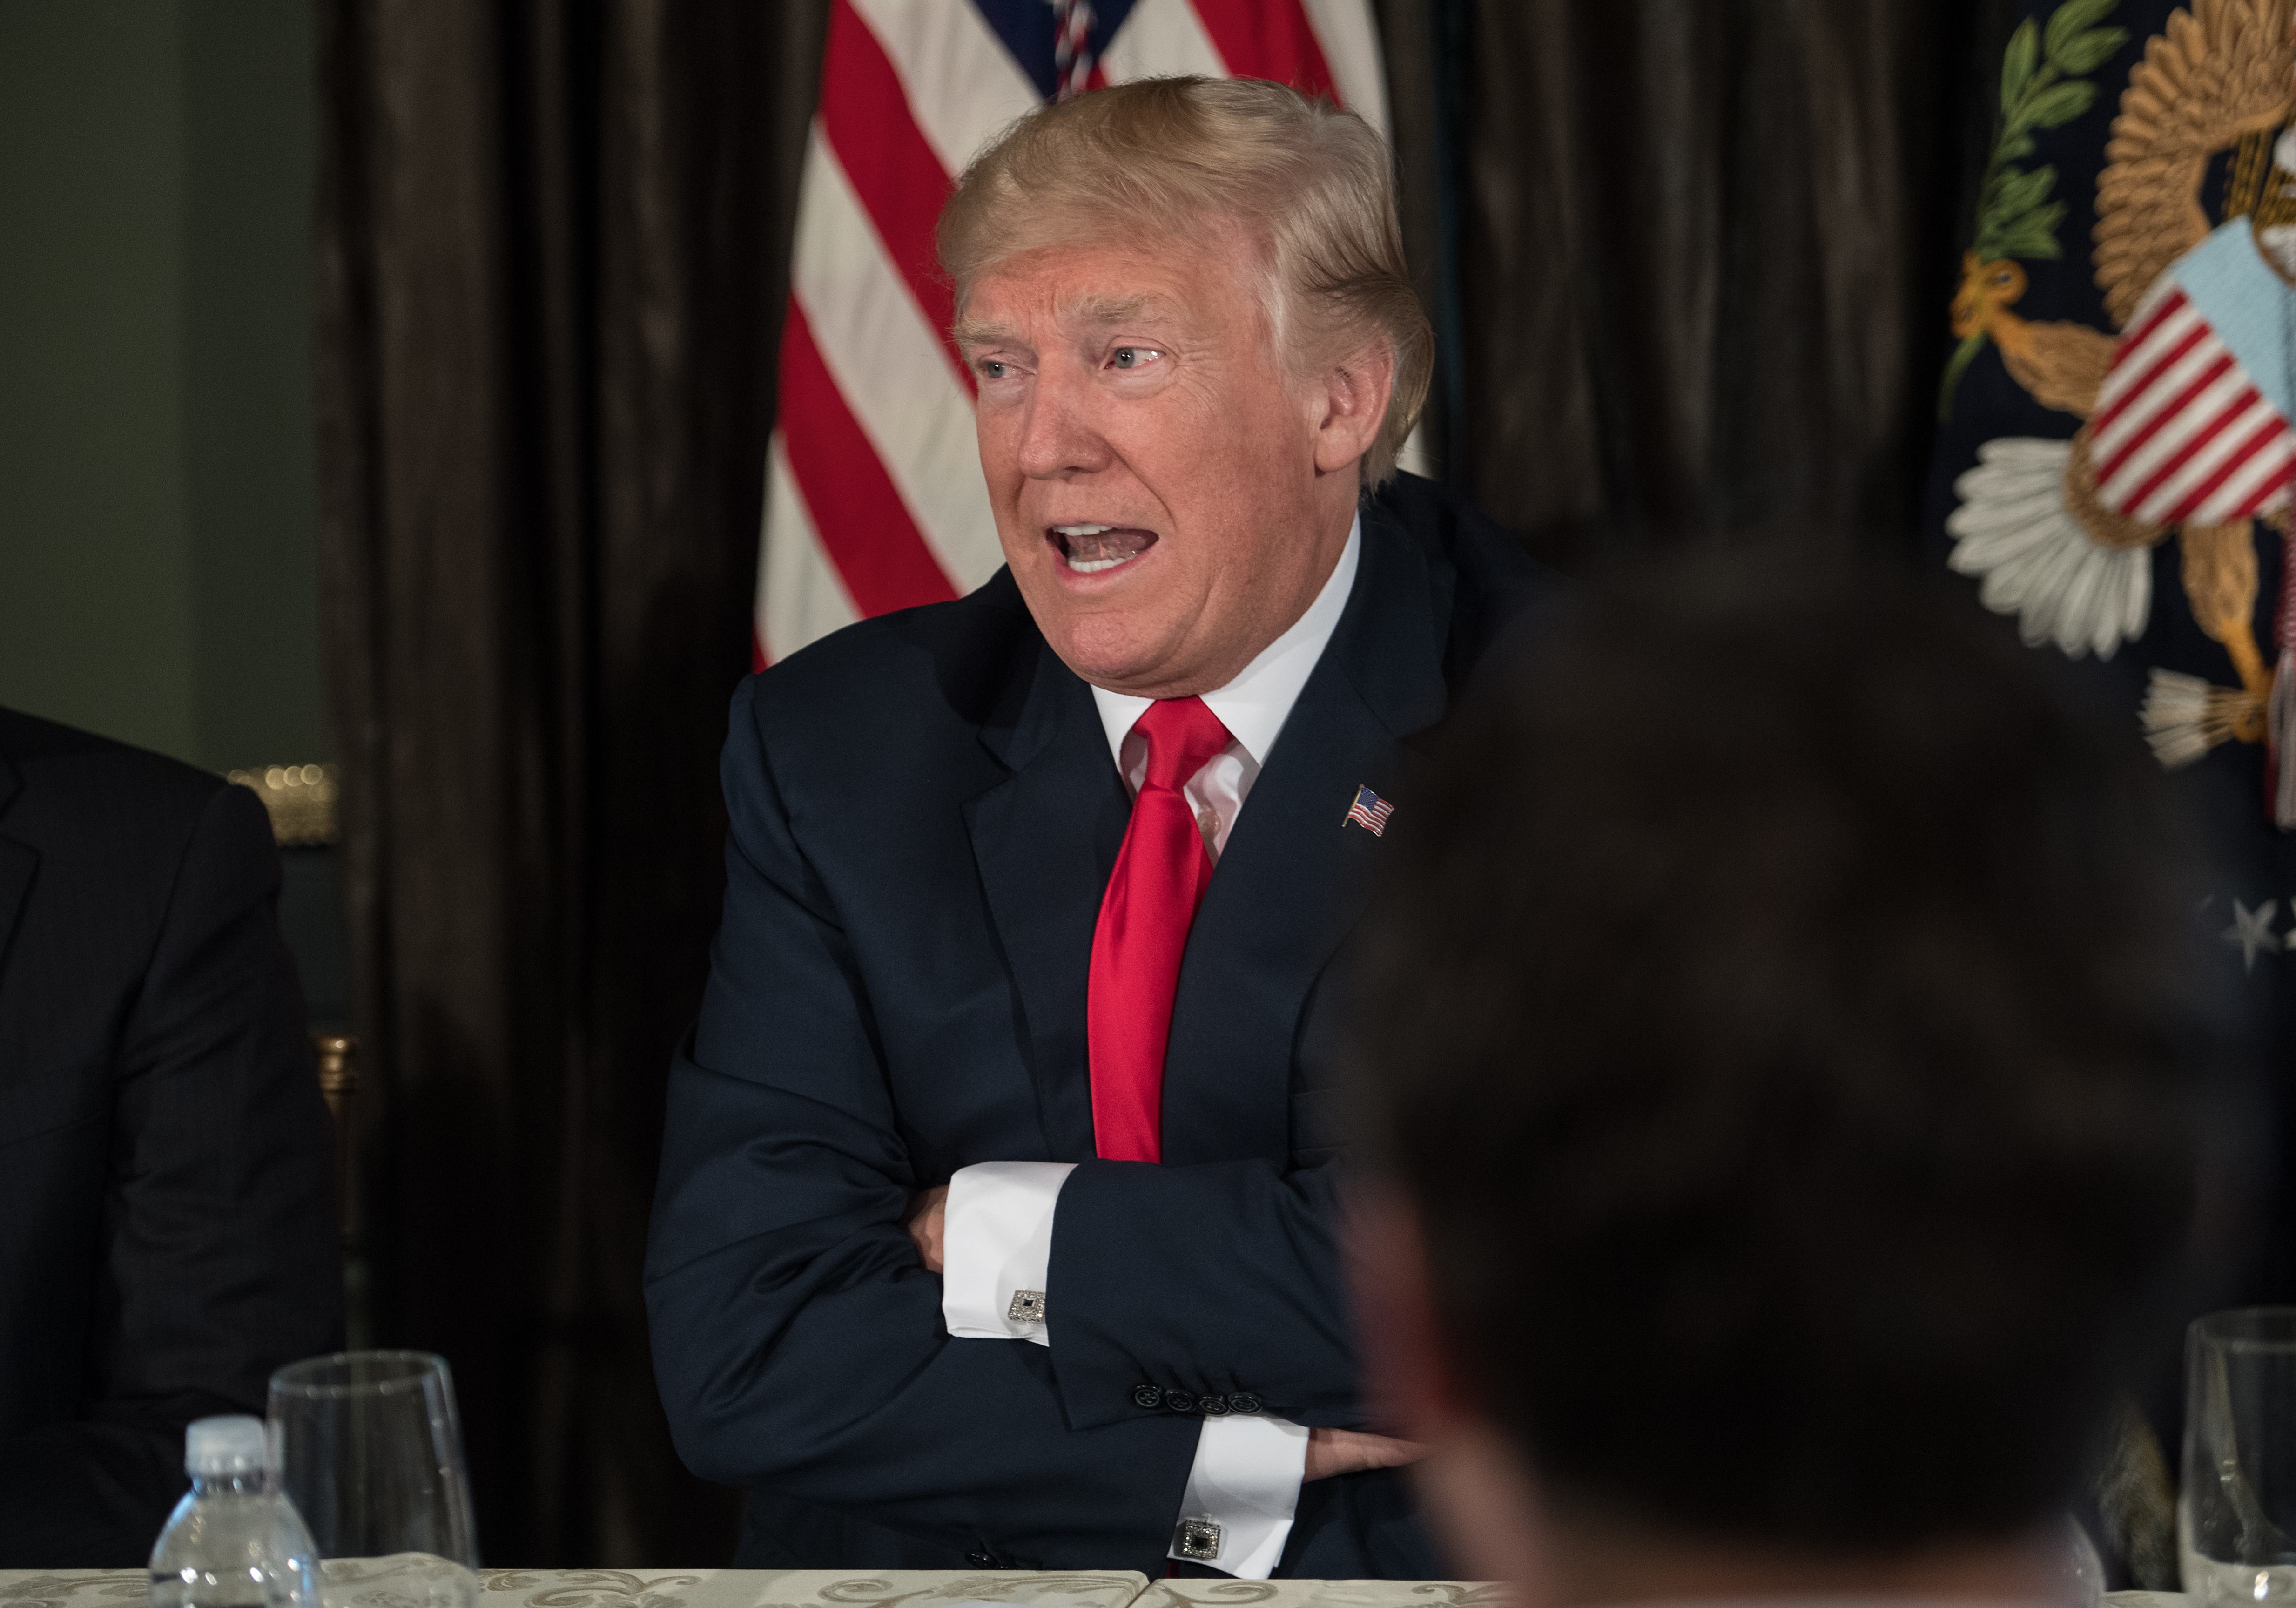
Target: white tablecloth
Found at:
883, 1589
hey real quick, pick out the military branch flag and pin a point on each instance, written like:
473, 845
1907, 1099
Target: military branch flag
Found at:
2111, 474
2114, 457
873, 495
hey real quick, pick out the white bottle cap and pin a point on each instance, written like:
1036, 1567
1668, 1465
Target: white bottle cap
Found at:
224, 1445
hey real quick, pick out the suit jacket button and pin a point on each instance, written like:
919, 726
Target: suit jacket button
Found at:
980, 1557
1243, 1401
1147, 1396
1179, 1401
1214, 1407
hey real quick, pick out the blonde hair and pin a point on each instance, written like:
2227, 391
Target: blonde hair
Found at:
1310, 184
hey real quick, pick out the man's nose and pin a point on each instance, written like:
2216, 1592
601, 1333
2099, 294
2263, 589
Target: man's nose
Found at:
1058, 438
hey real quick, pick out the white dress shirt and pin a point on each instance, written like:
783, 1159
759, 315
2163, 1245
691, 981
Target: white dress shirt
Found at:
997, 1233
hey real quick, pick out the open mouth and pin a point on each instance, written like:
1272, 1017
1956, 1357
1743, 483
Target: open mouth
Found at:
1091, 549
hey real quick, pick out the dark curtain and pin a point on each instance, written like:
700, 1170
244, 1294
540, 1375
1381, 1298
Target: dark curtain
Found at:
1689, 261
552, 239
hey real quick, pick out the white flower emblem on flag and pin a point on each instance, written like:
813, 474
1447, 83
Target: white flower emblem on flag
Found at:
2015, 532
873, 495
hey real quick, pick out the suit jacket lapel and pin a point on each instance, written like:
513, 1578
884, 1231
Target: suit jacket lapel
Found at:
1045, 840
17, 863
1291, 880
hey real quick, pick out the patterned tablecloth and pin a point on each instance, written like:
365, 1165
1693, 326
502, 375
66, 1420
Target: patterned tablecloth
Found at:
885, 1588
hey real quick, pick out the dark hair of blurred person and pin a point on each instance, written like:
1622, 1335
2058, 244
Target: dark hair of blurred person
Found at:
1774, 1059
166, 1227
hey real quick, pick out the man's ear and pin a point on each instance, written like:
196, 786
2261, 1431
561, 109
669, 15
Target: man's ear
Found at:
1472, 1487
1411, 1377
1353, 396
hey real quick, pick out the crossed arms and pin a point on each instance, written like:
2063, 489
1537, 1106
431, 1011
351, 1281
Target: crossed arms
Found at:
798, 1336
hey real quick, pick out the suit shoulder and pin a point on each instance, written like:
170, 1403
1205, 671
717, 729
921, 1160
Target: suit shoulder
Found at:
77, 771
941, 665
121, 833
1490, 558
1497, 587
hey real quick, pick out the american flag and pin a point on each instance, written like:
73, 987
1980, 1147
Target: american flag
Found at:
1369, 811
2191, 424
873, 495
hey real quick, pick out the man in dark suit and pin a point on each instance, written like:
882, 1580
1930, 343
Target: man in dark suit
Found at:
165, 1227
996, 1220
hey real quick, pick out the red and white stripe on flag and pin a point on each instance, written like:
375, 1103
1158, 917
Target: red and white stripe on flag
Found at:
873, 495
2181, 435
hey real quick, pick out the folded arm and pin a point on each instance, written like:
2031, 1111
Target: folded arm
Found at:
1221, 1280
989, 1231
797, 1337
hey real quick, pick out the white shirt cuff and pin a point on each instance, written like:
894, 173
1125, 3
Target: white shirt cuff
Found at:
1246, 1480
996, 1242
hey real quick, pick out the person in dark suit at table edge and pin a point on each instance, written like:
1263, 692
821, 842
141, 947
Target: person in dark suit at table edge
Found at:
167, 1223
1785, 1135
996, 1218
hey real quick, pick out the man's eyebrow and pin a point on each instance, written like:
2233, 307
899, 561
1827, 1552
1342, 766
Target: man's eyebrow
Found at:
970, 331
1118, 309
1090, 309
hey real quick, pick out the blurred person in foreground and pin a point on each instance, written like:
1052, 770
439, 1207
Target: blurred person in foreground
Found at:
166, 1220
1782, 1060
998, 1219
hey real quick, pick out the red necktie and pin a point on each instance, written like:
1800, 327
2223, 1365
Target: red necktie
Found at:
1160, 879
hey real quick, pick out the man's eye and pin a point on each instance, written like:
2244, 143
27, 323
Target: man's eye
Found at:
991, 369
1134, 356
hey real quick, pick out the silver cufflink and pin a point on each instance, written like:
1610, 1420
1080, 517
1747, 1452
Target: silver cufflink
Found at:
1027, 1307
1197, 1540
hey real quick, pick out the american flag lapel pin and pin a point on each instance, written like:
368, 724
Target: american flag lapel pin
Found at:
1369, 811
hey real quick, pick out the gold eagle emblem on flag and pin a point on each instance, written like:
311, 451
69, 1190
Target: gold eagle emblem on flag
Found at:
2187, 436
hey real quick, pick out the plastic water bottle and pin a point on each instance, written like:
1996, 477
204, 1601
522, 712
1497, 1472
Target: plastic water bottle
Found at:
232, 1541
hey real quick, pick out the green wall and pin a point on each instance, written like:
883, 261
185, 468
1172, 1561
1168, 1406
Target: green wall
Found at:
158, 501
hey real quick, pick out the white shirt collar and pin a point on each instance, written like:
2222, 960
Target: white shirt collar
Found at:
1254, 706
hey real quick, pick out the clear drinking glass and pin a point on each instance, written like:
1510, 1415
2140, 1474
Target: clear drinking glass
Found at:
370, 1450
2236, 1516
